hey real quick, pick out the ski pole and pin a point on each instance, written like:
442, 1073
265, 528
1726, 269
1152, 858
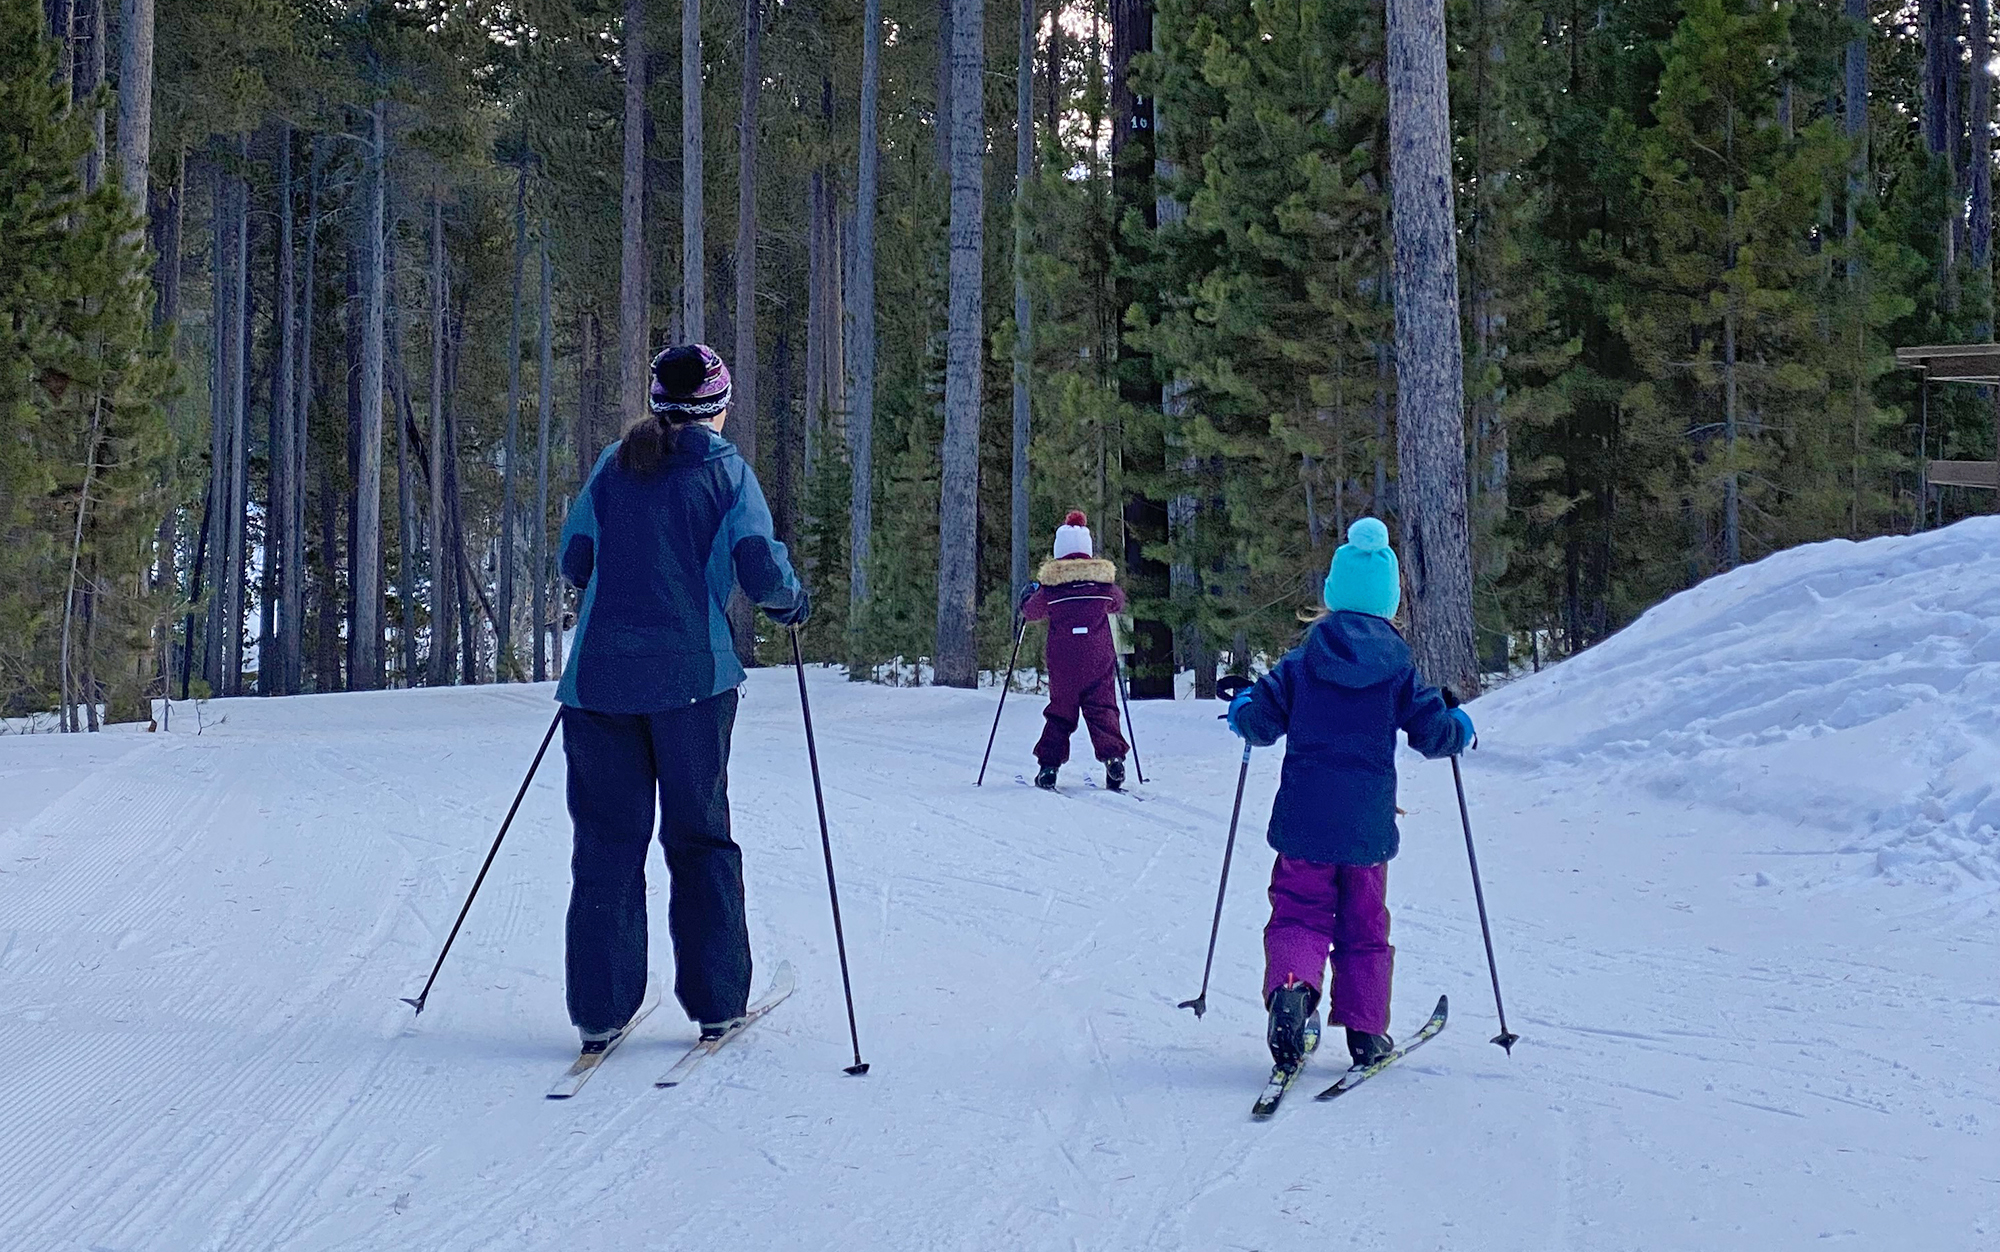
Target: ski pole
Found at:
425, 994
1019, 632
1506, 1038
1131, 735
1227, 689
859, 1067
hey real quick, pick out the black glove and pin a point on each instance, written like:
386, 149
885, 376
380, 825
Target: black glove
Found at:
1027, 594
797, 615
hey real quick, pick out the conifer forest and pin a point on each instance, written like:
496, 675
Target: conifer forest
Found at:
318, 312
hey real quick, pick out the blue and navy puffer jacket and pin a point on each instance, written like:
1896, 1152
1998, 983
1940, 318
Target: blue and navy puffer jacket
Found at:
656, 557
1340, 699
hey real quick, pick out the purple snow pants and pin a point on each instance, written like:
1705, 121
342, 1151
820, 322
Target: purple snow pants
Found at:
1095, 703
1316, 907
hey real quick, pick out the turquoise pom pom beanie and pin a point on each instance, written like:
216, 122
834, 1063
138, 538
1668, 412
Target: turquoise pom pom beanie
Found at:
1365, 577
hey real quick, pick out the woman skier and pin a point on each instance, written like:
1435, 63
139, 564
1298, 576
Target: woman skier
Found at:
670, 522
1340, 698
1076, 593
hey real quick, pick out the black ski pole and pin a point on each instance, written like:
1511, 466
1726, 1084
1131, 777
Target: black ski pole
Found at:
1227, 689
859, 1067
1131, 734
425, 994
1006, 685
1506, 1038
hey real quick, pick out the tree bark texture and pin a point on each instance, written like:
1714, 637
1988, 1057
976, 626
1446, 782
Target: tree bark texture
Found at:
633, 332
444, 580
694, 281
956, 661
861, 328
367, 565
504, 668
1024, 337
743, 373
1430, 366
544, 379
135, 100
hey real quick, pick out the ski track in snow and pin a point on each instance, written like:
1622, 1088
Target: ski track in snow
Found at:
1734, 1032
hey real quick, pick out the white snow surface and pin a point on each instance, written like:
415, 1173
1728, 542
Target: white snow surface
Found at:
1739, 860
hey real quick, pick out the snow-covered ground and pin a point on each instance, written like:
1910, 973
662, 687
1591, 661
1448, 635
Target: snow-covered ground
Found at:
1741, 862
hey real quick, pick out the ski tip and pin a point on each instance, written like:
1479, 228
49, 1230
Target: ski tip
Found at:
1444, 1007
560, 1095
856, 1071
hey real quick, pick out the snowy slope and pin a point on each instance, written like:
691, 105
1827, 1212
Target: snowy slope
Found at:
1853, 688
203, 938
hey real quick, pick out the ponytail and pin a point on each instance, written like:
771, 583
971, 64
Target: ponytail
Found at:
645, 446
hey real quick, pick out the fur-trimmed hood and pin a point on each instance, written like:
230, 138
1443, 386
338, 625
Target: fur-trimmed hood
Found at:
1077, 569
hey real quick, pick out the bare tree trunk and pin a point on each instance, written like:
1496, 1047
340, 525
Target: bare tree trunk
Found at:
694, 283
956, 659
861, 331
72, 688
1024, 336
406, 527
367, 565
633, 331
504, 668
1055, 73
815, 315
589, 386
1979, 247
1940, 70
545, 381
62, 30
443, 569
236, 357
743, 427
302, 417
1430, 373
218, 420
283, 550
166, 223
135, 101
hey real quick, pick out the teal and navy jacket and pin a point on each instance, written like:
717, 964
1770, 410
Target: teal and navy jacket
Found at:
1339, 700
656, 558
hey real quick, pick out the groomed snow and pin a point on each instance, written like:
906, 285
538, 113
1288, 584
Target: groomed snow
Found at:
1740, 861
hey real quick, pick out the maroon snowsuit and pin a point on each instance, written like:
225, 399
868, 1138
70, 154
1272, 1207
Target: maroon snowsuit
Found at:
1077, 597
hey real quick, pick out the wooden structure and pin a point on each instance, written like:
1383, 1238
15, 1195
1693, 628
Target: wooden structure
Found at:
1977, 363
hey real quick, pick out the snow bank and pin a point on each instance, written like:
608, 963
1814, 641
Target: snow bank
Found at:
1854, 687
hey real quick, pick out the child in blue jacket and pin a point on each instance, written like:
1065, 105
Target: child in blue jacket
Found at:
1339, 699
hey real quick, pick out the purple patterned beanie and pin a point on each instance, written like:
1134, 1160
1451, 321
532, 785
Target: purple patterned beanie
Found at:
690, 383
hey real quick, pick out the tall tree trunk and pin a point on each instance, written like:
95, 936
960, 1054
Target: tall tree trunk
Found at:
406, 525
816, 364
1855, 111
589, 392
694, 283
545, 384
784, 487
367, 569
235, 333
1024, 336
504, 667
1430, 363
956, 658
633, 331
62, 30
283, 551
460, 565
1940, 39
743, 424
302, 416
166, 220
1055, 73
444, 570
861, 334
1979, 250
218, 418
135, 100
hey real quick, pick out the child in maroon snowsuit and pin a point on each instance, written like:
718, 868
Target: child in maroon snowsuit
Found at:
1077, 593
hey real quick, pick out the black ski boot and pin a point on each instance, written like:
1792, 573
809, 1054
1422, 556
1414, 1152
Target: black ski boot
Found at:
712, 1031
1114, 774
1294, 1030
1046, 780
1366, 1049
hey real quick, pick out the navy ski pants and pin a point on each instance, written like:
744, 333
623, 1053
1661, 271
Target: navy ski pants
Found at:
616, 763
